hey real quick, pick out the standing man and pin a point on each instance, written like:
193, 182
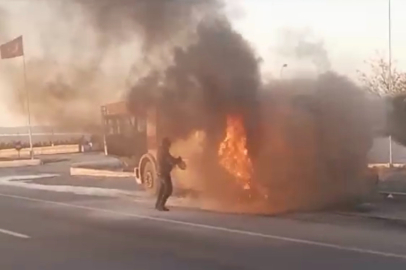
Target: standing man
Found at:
166, 162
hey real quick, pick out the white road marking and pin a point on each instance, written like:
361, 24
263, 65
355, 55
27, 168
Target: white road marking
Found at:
14, 234
218, 228
9, 178
13, 180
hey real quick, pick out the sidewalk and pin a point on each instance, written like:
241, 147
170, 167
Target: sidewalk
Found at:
19, 163
384, 210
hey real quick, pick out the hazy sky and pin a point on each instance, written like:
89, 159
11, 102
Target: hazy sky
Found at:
350, 31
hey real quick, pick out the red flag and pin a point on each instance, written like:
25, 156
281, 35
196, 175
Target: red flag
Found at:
12, 48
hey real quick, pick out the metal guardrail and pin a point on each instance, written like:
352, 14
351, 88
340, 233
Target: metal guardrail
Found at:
386, 165
41, 134
393, 195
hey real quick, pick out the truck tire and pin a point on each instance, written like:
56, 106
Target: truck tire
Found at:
150, 178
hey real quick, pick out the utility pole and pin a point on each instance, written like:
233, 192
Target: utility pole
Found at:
390, 72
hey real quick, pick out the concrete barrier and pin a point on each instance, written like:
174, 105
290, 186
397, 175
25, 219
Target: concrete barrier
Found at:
99, 173
20, 163
110, 164
386, 165
47, 150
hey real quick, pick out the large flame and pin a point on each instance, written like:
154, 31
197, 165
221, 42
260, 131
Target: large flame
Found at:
233, 152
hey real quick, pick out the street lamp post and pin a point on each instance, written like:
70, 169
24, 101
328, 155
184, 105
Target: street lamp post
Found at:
283, 66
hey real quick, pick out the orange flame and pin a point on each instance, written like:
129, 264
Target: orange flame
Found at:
233, 152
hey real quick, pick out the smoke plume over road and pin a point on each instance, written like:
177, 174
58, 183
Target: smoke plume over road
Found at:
155, 22
76, 75
315, 139
307, 139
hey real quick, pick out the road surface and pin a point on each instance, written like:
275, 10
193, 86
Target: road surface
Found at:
41, 228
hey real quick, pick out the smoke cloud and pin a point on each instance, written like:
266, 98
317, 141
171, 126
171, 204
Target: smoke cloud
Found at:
3, 23
315, 141
308, 139
155, 22
68, 96
309, 151
81, 46
95, 36
216, 76
396, 115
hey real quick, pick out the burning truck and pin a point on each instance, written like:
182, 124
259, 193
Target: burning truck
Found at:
304, 151
136, 135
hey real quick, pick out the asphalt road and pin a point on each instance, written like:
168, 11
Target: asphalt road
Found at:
46, 229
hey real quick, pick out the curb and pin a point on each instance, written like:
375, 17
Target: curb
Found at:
20, 163
99, 173
95, 163
377, 217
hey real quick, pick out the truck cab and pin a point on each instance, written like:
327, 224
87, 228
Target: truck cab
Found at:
132, 137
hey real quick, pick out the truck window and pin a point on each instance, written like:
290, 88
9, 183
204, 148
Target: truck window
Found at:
118, 126
142, 124
126, 126
133, 122
111, 128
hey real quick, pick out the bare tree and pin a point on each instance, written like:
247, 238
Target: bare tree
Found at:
378, 81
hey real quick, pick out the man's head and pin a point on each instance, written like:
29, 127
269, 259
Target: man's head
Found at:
166, 143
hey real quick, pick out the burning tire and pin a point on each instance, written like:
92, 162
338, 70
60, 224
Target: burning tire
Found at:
149, 178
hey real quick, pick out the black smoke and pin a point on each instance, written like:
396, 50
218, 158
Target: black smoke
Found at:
308, 139
215, 76
212, 78
69, 77
316, 134
306, 154
155, 22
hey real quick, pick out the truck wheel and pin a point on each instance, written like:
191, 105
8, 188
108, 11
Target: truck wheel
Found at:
150, 179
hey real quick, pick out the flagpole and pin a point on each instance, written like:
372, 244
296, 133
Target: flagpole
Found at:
28, 108
390, 71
